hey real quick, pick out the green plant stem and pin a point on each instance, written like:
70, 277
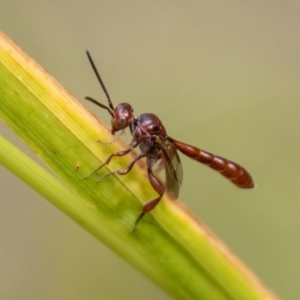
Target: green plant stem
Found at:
169, 246
42, 181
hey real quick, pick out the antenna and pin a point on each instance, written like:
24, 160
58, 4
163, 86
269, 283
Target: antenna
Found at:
111, 107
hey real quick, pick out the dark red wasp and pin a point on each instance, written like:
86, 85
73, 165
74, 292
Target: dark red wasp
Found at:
150, 135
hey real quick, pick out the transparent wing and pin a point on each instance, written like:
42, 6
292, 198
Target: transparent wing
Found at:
173, 168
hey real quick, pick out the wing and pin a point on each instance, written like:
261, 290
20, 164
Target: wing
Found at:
172, 164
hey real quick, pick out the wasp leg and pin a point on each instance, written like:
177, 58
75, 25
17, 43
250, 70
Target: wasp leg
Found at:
108, 159
124, 171
159, 188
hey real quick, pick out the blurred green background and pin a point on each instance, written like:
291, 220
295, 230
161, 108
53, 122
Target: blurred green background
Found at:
223, 76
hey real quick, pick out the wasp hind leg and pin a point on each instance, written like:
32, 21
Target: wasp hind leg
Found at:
159, 188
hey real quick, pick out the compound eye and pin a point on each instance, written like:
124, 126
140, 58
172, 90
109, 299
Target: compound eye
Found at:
122, 122
154, 129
